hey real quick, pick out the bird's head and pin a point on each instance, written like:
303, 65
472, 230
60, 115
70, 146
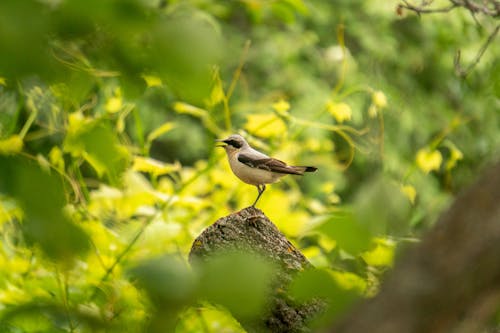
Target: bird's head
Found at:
233, 143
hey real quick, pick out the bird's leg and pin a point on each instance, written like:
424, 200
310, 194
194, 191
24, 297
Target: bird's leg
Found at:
261, 189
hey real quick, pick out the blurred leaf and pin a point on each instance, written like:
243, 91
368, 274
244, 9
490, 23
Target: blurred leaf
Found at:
168, 281
152, 81
455, 155
41, 196
152, 166
170, 285
305, 286
349, 281
98, 144
20, 41
115, 102
282, 107
217, 94
185, 45
373, 111
11, 145
56, 158
136, 196
208, 318
181, 107
379, 192
265, 125
40, 316
382, 255
321, 284
409, 191
349, 234
9, 112
238, 281
340, 111
428, 160
379, 99
159, 131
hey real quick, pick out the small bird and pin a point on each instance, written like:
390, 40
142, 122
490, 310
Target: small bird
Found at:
254, 167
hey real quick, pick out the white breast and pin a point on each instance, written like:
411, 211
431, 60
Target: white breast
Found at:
251, 175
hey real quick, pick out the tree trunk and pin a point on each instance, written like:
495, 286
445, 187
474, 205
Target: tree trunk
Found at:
250, 230
450, 281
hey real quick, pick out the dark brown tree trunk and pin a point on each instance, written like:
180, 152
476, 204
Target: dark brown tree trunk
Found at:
450, 281
250, 230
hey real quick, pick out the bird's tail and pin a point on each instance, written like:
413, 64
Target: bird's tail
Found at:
302, 169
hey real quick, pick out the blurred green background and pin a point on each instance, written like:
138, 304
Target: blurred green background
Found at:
108, 170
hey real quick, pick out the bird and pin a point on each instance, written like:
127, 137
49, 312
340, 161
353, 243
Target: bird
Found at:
256, 168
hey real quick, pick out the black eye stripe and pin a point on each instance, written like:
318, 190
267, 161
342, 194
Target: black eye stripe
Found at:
234, 143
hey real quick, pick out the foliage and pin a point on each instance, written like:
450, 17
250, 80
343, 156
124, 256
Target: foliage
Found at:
108, 171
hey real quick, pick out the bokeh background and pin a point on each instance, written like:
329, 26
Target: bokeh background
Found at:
108, 168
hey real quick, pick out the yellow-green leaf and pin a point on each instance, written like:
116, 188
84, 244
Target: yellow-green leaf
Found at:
265, 125
455, 155
382, 254
372, 111
155, 167
99, 145
428, 160
114, 104
77, 122
281, 107
182, 107
340, 111
409, 191
349, 281
3, 81
217, 94
152, 81
166, 127
11, 145
379, 99
56, 158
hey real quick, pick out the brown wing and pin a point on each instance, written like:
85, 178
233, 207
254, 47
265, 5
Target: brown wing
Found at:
269, 164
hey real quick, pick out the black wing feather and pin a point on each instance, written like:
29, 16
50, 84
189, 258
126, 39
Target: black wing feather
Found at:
269, 164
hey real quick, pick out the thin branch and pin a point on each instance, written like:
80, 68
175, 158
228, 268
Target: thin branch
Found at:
239, 69
422, 10
463, 72
122, 255
474, 7
232, 85
63, 289
493, 9
489, 8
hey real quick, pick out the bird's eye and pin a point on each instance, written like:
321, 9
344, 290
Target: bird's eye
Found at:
234, 143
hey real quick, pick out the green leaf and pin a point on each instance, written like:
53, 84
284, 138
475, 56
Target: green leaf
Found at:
41, 197
349, 234
183, 49
98, 144
382, 208
170, 285
166, 127
167, 280
9, 112
321, 284
237, 281
11, 145
382, 255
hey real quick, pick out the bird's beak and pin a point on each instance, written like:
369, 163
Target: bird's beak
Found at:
223, 144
